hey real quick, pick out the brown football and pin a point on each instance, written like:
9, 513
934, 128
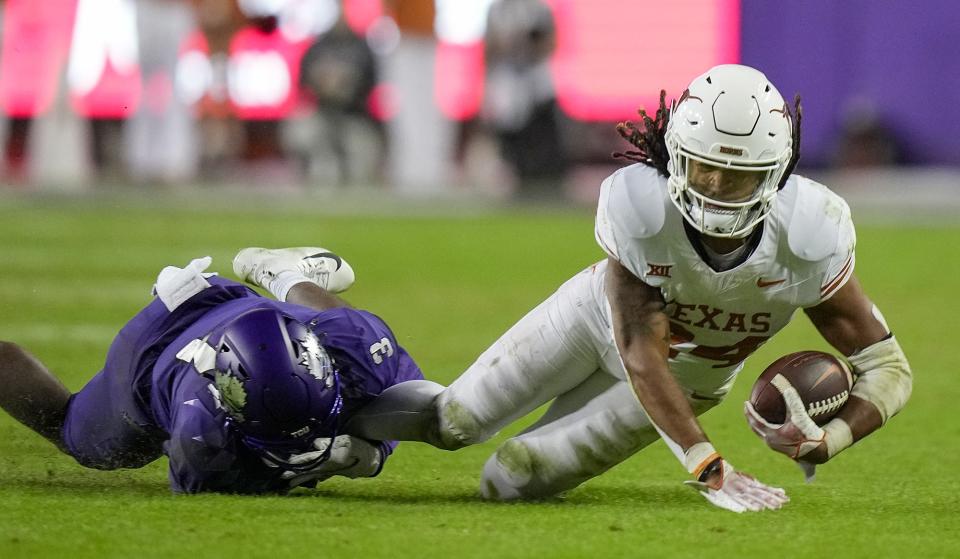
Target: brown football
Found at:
822, 381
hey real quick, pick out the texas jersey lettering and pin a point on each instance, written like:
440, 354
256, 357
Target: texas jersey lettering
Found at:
804, 254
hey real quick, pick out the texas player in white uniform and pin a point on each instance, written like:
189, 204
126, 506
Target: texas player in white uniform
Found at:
711, 248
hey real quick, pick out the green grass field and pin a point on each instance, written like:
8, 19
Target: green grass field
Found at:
73, 271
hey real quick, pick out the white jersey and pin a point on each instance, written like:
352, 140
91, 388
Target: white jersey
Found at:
717, 319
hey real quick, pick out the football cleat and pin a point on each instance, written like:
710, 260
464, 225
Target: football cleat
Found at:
259, 266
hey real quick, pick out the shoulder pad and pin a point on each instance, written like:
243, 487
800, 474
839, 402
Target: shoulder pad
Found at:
817, 219
635, 201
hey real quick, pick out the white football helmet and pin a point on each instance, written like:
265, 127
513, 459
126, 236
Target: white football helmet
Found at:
731, 118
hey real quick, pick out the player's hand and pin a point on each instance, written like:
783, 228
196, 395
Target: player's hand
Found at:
793, 439
350, 457
176, 285
738, 492
796, 437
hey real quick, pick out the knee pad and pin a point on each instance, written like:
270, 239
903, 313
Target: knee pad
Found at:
510, 474
458, 427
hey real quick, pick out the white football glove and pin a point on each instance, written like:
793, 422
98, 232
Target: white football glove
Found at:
350, 457
176, 285
797, 436
739, 492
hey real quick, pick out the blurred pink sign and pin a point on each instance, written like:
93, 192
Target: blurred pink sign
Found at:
263, 74
614, 56
36, 42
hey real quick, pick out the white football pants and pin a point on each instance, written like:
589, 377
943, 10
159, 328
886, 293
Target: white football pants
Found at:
563, 350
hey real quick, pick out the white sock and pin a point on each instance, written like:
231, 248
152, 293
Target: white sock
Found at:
281, 285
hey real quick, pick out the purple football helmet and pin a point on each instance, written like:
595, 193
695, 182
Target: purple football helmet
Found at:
277, 385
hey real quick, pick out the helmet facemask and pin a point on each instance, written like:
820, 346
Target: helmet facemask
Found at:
711, 215
734, 121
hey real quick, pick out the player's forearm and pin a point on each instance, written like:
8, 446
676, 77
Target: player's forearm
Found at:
856, 420
642, 334
861, 416
31, 394
883, 386
662, 399
669, 410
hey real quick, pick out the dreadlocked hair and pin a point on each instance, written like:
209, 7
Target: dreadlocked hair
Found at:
795, 116
651, 146
648, 138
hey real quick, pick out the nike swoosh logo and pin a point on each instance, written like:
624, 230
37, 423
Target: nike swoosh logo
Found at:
329, 255
762, 284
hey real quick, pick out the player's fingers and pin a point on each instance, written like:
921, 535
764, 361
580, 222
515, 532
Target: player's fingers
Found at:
771, 497
771, 494
769, 500
755, 419
751, 502
724, 501
739, 488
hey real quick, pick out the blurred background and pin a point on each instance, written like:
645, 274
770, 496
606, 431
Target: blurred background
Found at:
496, 99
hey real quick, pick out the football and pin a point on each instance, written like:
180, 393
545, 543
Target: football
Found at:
822, 381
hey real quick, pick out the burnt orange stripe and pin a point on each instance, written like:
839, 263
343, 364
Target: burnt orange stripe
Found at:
703, 465
835, 285
838, 279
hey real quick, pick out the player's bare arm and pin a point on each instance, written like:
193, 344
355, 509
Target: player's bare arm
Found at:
849, 323
31, 394
642, 333
853, 325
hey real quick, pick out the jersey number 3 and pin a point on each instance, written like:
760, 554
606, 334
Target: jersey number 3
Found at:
381, 349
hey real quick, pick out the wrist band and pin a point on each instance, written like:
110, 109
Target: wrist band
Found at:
698, 457
838, 436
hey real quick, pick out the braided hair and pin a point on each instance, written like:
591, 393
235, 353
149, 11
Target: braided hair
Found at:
795, 118
649, 137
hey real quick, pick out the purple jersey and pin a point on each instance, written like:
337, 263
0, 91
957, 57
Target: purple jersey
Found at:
146, 402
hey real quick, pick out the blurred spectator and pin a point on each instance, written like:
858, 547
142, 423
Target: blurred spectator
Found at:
261, 138
221, 135
105, 78
422, 141
339, 71
520, 103
162, 143
865, 140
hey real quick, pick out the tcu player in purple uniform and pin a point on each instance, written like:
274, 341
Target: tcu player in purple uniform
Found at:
242, 393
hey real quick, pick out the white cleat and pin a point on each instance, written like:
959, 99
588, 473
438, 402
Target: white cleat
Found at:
258, 266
